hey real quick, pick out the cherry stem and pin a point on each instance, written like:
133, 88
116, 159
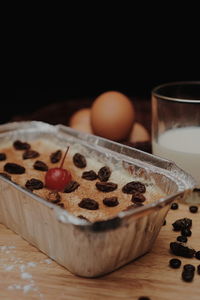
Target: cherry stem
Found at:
62, 162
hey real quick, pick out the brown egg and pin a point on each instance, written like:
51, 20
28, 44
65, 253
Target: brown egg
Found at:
138, 133
83, 127
80, 120
112, 115
80, 116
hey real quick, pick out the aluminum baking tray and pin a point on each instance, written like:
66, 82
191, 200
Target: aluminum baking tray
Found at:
89, 249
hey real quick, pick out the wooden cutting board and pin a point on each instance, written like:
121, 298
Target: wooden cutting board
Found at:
26, 273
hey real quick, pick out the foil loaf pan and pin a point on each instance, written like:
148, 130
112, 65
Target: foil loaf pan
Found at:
89, 249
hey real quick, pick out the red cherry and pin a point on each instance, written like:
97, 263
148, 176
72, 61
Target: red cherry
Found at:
58, 178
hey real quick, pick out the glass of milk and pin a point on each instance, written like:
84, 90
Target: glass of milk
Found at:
176, 125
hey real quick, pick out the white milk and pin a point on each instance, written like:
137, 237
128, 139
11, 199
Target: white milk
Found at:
182, 145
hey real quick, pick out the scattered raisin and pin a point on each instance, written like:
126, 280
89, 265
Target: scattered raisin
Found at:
133, 187
186, 232
40, 165
164, 223
79, 160
89, 175
104, 174
106, 186
182, 239
174, 206
71, 186
34, 184
110, 202
193, 209
137, 197
198, 269
53, 197
182, 223
30, 154
18, 145
197, 254
13, 168
187, 276
2, 156
181, 250
175, 263
5, 175
144, 298
189, 268
88, 203
56, 156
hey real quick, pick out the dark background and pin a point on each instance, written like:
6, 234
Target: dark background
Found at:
29, 100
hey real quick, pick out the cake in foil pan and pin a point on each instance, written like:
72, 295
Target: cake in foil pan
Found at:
98, 190
117, 196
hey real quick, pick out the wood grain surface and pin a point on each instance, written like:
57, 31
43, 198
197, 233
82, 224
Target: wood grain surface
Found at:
26, 273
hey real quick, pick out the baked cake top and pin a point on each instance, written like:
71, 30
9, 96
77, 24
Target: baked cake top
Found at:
98, 190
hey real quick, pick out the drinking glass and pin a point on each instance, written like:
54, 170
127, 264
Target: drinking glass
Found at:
176, 125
